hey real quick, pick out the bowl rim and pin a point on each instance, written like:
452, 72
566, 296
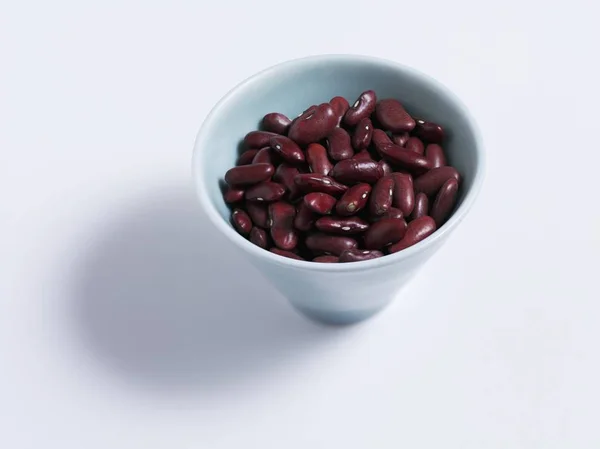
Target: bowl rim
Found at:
389, 259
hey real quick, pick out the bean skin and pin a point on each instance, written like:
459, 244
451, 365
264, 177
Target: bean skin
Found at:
339, 145
381, 196
282, 216
363, 155
385, 167
265, 191
432, 181
357, 255
385, 232
363, 107
362, 134
329, 244
287, 149
313, 125
429, 132
393, 117
316, 156
264, 156
421, 206
247, 175
288, 254
380, 139
342, 225
276, 123
391, 213
304, 217
320, 202
246, 157
340, 106
415, 144
258, 139
400, 139
405, 158
311, 182
233, 195
259, 237
444, 202
404, 194
241, 221
326, 259
259, 213
416, 231
351, 171
354, 200
285, 175
436, 155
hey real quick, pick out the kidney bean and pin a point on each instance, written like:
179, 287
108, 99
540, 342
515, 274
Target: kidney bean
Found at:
385, 232
340, 106
353, 200
285, 175
432, 181
264, 156
329, 244
282, 216
381, 196
342, 225
326, 259
385, 167
400, 139
241, 221
276, 123
259, 237
393, 117
362, 134
288, 254
246, 175
356, 255
415, 144
380, 139
391, 213
363, 107
436, 155
363, 155
313, 125
258, 139
421, 206
259, 213
233, 195
246, 157
287, 149
405, 158
339, 145
318, 162
320, 202
304, 217
265, 191
404, 194
444, 202
429, 132
311, 182
416, 231
351, 171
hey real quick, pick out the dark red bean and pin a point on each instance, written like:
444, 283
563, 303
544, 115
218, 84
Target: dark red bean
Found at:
329, 244
363, 107
416, 231
304, 217
362, 134
258, 139
326, 259
311, 182
246, 157
405, 158
246, 175
404, 194
282, 214
339, 145
436, 155
353, 200
313, 125
351, 171
434, 179
421, 206
393, 117
340, 106
259, 213
380, 139
320, 202
381, 196
444, 202
342, 225
259, 237
233, 195
265, 191
276, 123
400, 139
241, 221
285, 175
415, 144
316, 156
385, 232
357, 255
264, 156
363, 155
391, 213
429, 132
287, 149
385, 167
288, 254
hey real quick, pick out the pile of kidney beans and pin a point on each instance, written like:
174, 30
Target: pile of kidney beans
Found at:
342, 183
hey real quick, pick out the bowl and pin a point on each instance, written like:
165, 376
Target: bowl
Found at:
347, 292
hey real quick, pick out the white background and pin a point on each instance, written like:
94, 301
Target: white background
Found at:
127, 322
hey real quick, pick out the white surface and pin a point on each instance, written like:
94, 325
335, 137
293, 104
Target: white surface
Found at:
115, 328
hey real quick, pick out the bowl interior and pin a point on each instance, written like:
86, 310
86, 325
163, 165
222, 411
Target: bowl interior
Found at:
291, 87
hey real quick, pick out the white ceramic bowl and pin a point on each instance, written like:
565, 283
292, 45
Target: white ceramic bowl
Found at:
347, 292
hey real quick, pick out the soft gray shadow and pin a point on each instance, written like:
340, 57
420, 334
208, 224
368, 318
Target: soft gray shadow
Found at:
163, 299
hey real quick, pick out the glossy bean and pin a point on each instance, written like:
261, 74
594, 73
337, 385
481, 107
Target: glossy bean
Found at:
246, 175
287, 149
416, 231
405, 158
429, 132
265, 191
320, 243
362, 134
391, 213
304, 219
421, 206
436, 155
380, 139
385, 167
339, 145
415, 144
400, 139
258, 139
246, 157
259, 213
282, 214
313, 125
351, 171
354, 200
241, 221
311, 182
259, 237
444, 202
276, 123
393, 117
285, 175
264, 156
363, 155
340, 106
357, 255
385, 232
362, 108
342, 225
318, 161
381, 196
320, 202
434, 179
288, 254
404, 193
233, 195
326, 259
